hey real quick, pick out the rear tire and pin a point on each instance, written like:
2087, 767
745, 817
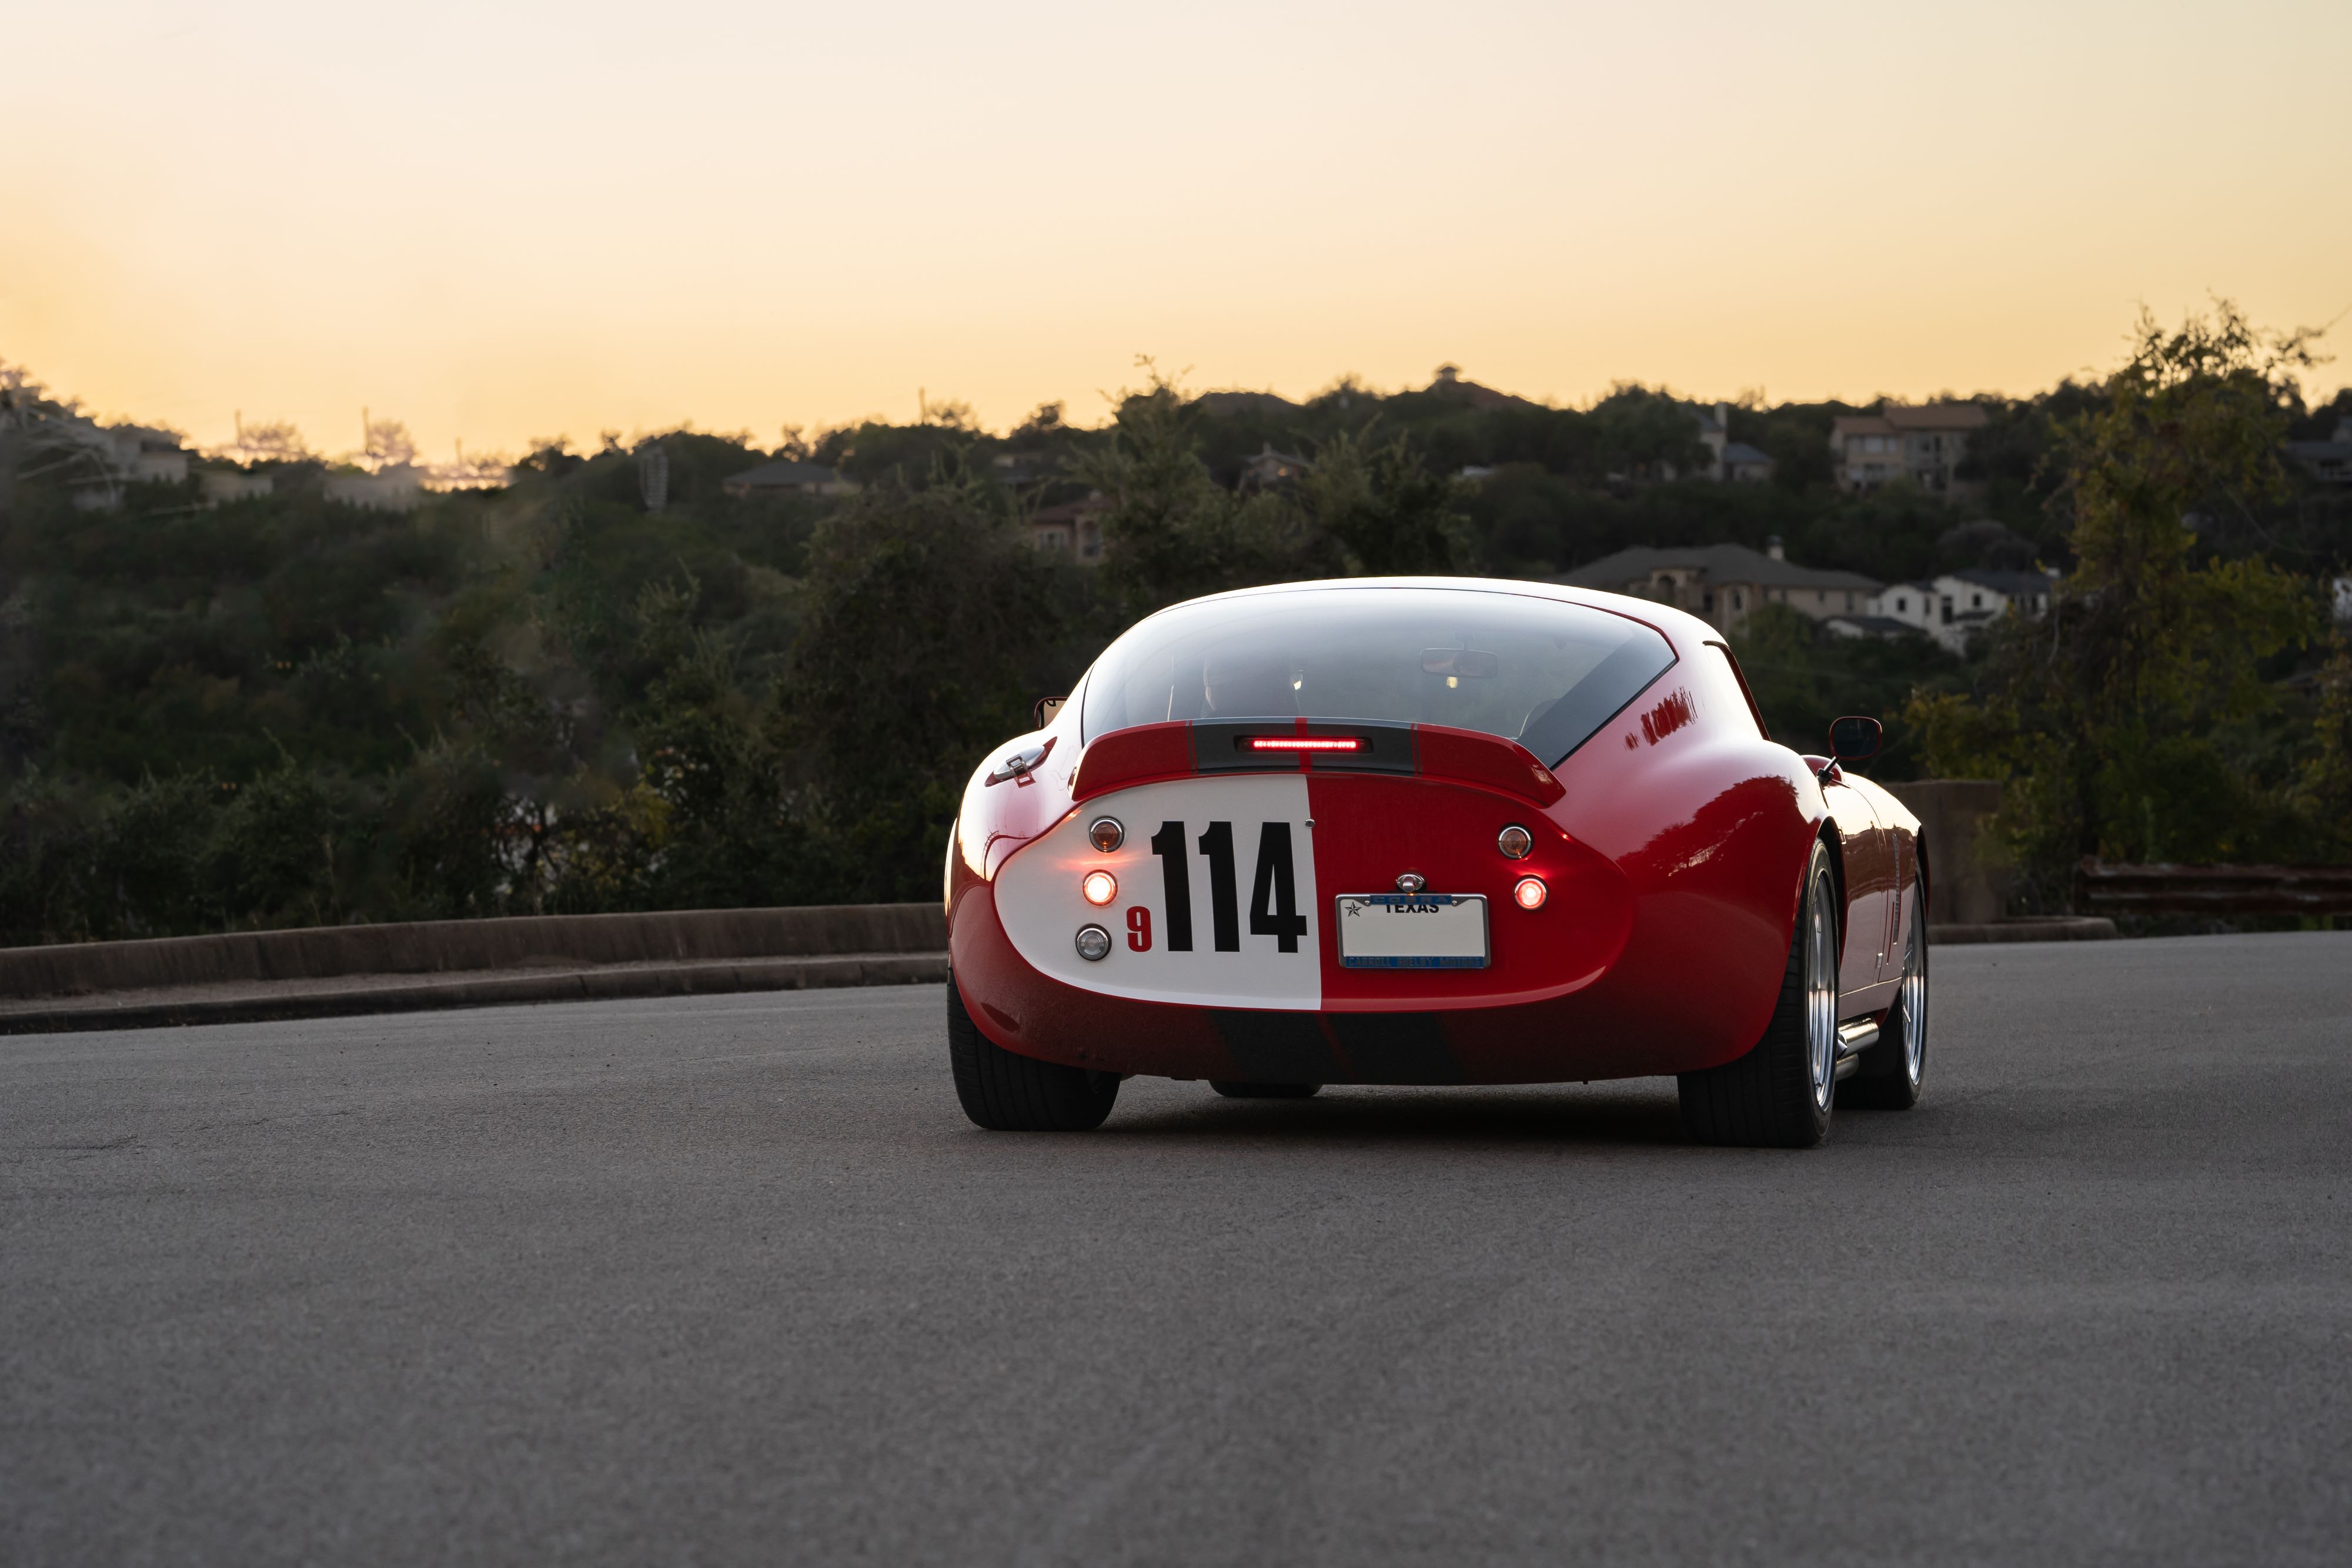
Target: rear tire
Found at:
1232, 1090
1894, 1070
1778, 1095
1008, 1093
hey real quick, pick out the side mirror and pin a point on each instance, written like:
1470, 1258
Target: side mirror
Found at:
1855, 739
1045, 709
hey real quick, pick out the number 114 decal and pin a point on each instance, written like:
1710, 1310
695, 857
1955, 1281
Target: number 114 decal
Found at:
1274, 890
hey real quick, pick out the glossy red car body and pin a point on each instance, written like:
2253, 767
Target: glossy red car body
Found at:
1672, 845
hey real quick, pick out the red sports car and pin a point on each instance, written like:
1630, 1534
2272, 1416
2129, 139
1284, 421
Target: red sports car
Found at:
1432, 830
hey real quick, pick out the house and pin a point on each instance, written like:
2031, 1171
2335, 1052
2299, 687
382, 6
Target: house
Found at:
2328, 462
1727, 458
786, 477
1723, 584
1743, 464
1923, 444
1270, 469
1957, 604
146, 456
1072, 531
394, 487
1879, 626
225, 484
120, 455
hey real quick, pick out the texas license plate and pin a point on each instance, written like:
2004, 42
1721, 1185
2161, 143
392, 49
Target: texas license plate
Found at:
1412, 930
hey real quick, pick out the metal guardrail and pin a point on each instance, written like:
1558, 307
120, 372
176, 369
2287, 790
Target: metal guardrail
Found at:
2102, 889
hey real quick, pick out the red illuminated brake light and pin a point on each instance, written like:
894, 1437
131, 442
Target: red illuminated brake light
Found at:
1303, 742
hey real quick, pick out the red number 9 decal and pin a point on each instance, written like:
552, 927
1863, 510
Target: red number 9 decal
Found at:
1139, 928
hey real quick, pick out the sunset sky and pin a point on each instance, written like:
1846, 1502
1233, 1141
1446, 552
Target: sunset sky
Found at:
502, 221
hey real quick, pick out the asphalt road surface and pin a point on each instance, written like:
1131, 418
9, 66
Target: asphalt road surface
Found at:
731, 1281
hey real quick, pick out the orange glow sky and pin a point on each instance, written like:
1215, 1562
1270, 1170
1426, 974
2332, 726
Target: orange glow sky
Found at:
500, 221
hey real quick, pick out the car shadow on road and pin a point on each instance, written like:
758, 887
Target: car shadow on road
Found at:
1550, 1115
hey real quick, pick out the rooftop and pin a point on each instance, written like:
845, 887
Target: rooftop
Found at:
1896, 419
2013, 583
1715, 563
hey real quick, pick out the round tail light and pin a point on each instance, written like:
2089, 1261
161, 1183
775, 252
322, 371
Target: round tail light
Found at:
1530, 893
1100, 887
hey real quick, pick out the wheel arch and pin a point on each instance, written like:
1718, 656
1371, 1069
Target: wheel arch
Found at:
1827, 835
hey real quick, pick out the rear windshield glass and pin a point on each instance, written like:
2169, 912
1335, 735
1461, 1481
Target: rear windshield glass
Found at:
1544, 674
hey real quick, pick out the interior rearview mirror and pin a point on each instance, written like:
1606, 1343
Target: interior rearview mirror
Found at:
1047, 708
1855, 739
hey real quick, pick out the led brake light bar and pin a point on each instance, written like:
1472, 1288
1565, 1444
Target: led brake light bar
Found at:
1303, 742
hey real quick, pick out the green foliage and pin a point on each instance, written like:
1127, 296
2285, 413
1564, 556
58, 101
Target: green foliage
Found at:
1172, 532
1366, 505
2324, 788
283, 710
2130, 721
925, 608
1803, 676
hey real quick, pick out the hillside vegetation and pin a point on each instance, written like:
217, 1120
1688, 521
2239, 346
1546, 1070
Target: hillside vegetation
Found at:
547, 697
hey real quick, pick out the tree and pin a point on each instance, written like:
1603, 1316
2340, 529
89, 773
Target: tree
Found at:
1172, 532
922, 608
273, 441
2110, 715
389, 443
1389, 515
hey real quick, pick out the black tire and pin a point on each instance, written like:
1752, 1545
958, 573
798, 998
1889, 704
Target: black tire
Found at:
1892, 1072
1008, 1093
1232, 1090
1778, 1095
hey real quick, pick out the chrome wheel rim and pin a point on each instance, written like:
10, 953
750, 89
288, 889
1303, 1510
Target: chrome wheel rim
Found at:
1820, 993
1915, 1000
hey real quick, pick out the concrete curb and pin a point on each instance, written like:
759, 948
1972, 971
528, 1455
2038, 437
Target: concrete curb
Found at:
441, 946
2025, 928
387, 994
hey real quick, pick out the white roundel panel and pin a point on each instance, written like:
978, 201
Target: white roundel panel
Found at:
1215, 905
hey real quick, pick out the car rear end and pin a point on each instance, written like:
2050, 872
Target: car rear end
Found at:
1304, 896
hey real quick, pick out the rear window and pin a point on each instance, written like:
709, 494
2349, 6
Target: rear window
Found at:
1537, 671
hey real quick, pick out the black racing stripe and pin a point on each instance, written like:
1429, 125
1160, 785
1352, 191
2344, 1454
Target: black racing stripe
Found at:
1276, 1047
1395, 1047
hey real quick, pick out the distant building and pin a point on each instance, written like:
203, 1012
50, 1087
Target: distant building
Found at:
1270, 469
394, 487
1072, 531
222, 484
1923, 445
1879, 626
2328, 462
118, 455
786, 477
1726, 459
1743, 464
1724, 584
1955, 606
147, 457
